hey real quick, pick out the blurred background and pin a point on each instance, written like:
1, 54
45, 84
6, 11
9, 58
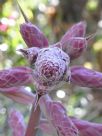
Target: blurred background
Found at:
53, 17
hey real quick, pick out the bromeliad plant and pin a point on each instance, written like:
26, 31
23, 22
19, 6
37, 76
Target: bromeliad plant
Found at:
50, 68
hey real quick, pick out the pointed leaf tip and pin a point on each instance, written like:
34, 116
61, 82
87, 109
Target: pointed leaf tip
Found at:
91, 36
22, 12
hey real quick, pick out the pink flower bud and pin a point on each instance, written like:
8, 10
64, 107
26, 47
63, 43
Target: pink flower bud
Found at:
86, 77
77, 30
17, 76
74, 46
16, 123
87, 128
51, 68
18, 94
31, 34
57, 117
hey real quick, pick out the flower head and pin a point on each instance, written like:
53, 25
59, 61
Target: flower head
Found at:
51, 67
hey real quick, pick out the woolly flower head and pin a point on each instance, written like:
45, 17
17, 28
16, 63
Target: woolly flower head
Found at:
51, 67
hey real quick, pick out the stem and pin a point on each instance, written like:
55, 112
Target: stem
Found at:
33, 121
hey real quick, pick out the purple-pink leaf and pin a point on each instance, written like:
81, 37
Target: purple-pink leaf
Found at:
30, 54
57, 117
17, 76
77, 30
16, 123
87, 128
86, 77
31, 34
18, 94
74, 46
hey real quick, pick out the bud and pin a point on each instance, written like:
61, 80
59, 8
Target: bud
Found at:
74, 46
17, 76
31, 34
86, 77
57, 117
16, 123
18, 94
77, 30
87, 128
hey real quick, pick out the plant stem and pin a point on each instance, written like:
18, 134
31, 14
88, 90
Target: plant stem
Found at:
33, 121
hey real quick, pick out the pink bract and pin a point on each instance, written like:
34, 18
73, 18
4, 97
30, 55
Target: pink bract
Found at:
85, 128
86, 77
32, 36
18, 94
57, 117
16, 123
77, 30
50, 68
74, 46
17, 76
